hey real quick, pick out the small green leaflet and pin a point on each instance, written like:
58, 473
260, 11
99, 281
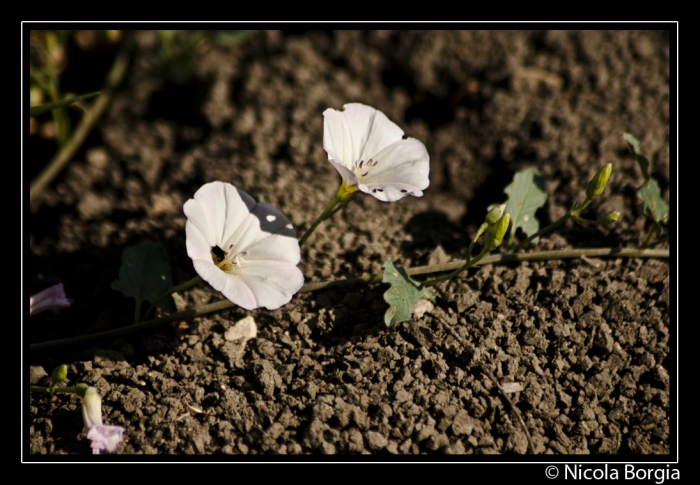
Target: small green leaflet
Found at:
526, 194
145, 274
403, 294
654, 205
649, 192
642, 161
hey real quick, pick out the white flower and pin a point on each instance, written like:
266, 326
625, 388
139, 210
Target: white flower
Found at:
371, 153
102, 436
247, 251
51, 298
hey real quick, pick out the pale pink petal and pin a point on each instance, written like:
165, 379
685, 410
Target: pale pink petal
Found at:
51, 298
105, 438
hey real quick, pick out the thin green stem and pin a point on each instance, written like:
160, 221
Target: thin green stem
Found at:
122, 331
655, 228
467, 264
48, 390
324, 215
368, 279
573, 212
341, 199
583, 221
181, 287
37, 110
658, 241
482, 229
87, 122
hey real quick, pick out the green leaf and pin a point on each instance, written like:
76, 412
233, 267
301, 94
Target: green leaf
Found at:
654, 205
642, 161
403, 294
145, 274
525, 195
37, 110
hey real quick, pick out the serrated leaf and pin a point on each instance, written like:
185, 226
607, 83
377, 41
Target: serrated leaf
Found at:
642, 161
526, 194
403, 294
42, 108
145, 274
654, 205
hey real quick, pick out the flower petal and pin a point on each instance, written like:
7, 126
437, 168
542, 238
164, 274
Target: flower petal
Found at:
265, 222
262, 249
348, 175
51, 298
272, 283
105, 437
92, 408
402, 169
358, 132
217, 210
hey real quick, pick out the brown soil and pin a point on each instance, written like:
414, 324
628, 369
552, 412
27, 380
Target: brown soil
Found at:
589, 340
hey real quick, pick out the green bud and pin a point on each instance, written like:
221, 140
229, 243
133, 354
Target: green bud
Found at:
495, 214
59, 374
609, 219
497, 232
597, 183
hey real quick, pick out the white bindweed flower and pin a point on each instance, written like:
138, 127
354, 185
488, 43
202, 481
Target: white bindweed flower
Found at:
246, 250
371, 153
102, 436
51, 298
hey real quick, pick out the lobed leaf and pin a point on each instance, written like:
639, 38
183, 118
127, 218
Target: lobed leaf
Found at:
526, 194
654, 205
642, 161
403, 295
145, 274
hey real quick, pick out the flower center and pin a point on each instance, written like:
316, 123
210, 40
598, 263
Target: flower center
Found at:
362, 168
226, 261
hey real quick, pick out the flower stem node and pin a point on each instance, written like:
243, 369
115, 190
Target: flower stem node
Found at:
346, 192
244, 249
371, 153
598, 182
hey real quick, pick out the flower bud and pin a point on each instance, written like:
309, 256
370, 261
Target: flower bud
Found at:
609, 219
92, 408
102, 437
597, 183
495, 214
498, 230
59, 374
